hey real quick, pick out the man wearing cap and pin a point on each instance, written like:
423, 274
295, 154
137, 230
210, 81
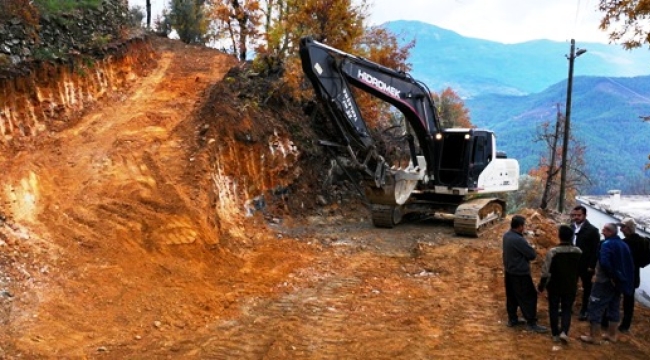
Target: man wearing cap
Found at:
614, 276
587, 239
635, 242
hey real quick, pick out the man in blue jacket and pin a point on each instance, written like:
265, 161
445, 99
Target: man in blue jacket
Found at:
614, 276
520, 290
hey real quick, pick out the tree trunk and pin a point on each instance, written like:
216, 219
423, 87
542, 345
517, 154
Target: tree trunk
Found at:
551, 166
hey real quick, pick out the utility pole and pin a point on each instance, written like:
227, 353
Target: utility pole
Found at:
567, 124
148, 14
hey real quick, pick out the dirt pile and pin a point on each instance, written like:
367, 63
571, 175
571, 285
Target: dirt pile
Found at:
181, 218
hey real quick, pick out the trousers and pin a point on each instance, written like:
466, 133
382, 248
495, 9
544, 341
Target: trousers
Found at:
521, 294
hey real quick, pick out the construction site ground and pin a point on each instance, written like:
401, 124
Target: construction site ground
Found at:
110, 249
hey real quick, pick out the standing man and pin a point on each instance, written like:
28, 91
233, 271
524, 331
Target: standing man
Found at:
520, 290
587, 239
560, 277
635, 242
614, 276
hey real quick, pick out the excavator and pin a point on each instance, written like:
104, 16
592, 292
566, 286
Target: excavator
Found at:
453, 173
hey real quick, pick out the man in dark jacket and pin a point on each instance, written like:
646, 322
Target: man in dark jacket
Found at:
520, 289
587, 239
560, 278
635, 242
614, 276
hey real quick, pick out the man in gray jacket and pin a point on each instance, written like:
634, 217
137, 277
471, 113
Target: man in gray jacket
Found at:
520, 290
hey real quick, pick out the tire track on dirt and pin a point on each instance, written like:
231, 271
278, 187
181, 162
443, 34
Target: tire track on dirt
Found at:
370, 306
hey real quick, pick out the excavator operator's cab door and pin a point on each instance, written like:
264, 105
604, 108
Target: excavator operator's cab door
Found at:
463, 156
481, 155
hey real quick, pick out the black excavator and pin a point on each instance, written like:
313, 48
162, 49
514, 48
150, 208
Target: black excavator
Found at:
451, 173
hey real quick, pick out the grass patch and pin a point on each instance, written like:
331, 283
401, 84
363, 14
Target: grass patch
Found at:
61, 6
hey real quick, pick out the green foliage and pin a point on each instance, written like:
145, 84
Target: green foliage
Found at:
4, 60
61, 6
188, 18
136, 15
100, 40
163, 25
527, 197
22, 9
48, 54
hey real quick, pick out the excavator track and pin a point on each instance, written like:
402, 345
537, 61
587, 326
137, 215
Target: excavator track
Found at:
386, 216
474, 216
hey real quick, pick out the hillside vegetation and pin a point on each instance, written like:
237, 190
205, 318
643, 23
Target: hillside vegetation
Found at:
605, 116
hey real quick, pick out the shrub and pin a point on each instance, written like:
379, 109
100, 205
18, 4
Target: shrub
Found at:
23, 9
60, 6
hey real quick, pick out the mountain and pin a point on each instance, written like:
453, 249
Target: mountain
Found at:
605, 116
471, 67
513, 88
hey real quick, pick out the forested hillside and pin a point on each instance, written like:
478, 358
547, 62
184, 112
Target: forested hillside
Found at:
605, 116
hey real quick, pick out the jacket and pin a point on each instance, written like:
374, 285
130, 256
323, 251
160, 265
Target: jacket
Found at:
560, 270
517, 254
587, 239
615, 263
636, 245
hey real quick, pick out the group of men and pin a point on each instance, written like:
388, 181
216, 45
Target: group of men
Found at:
607, 270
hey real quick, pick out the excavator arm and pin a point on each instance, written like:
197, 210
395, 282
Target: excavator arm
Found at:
331, 73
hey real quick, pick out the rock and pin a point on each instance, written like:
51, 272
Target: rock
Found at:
320, 200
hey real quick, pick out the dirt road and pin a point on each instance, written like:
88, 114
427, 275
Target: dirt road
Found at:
112, 247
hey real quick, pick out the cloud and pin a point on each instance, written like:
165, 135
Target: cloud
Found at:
506, 21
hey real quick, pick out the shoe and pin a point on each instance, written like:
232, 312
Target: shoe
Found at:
588, 339
556, 339
537, 328
517, 322
608, 338
623, 331
583, 316
564, 338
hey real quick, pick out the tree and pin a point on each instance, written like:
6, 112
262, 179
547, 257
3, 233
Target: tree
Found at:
627, 21
238, 20
527, 196
338, 23
551, 139
189, 20
547, 170
451, 109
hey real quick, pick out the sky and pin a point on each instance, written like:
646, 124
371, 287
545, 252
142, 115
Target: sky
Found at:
505, 21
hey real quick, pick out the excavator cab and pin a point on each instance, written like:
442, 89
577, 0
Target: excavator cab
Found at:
463, 156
